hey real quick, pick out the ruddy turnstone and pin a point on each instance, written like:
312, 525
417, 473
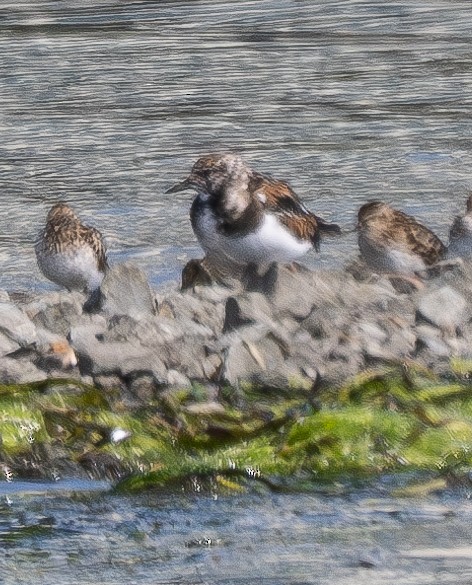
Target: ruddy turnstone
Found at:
460, 234
69, 253
391, 241
241, 217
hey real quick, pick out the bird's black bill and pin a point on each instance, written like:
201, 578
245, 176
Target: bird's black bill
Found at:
183, 186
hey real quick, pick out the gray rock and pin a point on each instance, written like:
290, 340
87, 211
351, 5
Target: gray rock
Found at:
261, 360
143, 387
245, 309
306, 354
205, 408
212, 366
186, 355
7, 345
373, 341
458, 347
16, 326
59, 317
192, 308
110, 383
293, 292
195, 274
444, 307
372, 331
430, 338
175, 378
342, 358
19, 371
97, 357
125, 290
335, 371
327, 321
83, 335
215, 294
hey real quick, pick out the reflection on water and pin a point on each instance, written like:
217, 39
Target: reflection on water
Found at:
189, 540
107, 103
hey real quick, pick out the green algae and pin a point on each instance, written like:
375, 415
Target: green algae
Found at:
387, 420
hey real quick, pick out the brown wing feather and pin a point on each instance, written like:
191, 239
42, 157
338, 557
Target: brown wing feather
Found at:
304, 227
417, 238
280, 198
95, 240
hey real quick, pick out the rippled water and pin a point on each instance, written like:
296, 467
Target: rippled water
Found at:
106, 103
87, 538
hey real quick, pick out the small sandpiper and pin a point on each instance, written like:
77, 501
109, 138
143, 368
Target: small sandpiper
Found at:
241, 217
460, 234
391, 241
69, 253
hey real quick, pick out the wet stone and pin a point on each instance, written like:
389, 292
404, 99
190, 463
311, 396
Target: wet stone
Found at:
96, 357
111, 383
56, 313
143, 387
189, 308
19, 371
16, 326
125, 290
429, 338
262, 361
246, 309
175, 378
7, 345
445, 308
293, 293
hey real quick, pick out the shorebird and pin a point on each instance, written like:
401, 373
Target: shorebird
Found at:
460, 234
69, 253
391, 241
242, 217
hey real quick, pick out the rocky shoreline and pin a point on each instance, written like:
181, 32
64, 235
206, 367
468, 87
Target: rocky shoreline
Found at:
288, 329
291, 334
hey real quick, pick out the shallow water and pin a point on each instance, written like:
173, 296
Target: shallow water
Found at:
86, 538
106, 104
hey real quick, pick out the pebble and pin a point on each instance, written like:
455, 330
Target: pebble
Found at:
293, 325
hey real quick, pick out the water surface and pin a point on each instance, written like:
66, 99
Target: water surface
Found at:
188, 539
106, 104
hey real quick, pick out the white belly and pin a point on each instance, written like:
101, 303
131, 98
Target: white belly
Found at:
383, 259
271, 242
74, 270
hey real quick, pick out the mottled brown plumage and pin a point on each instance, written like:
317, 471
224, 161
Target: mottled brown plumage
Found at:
70, 253
64, 231
392, 241
247, 217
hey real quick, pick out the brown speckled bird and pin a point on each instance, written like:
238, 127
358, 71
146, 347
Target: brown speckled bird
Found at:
391, 241
69, 253
243, 217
